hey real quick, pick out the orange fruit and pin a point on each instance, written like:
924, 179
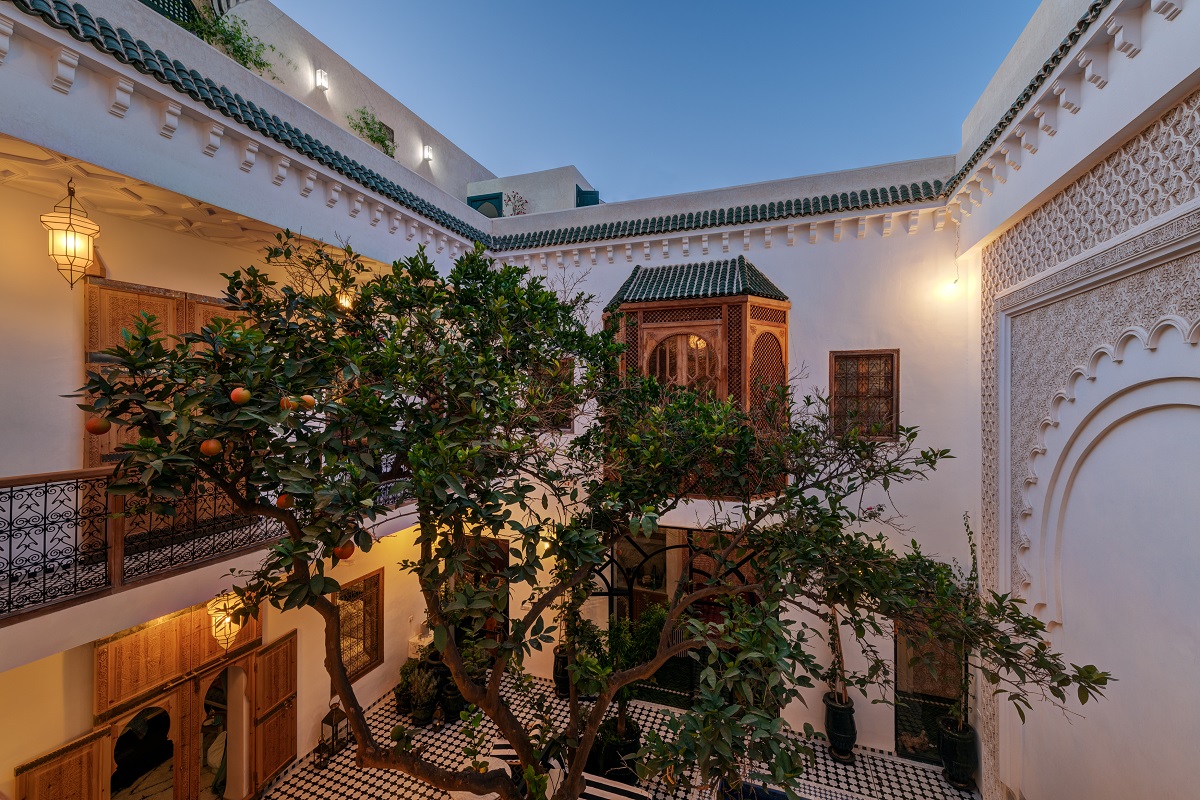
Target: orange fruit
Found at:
97, 426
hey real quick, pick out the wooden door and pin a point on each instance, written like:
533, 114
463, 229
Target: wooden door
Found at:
79, 770
274, 709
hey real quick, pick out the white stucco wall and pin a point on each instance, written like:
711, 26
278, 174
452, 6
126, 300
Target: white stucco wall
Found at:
546, 190
451, 168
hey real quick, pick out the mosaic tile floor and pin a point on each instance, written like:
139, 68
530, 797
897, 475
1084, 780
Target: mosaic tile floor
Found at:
873, 776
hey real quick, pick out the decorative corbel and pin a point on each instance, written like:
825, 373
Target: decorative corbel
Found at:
249, 154
791, 235
214, 133
575, 257
122, 96
704, 244
64, 70
1167, 9
999, 169
610, 254
812, 233
861, 233
645, 251
746, 240
333, 191
1126, 29
592, 255
725, 242
279, 169
686, 246
376, 214
939, 219
767, 238
7, 26
1010, 151
412, 230
441, 243
170, 119
914, 222
629, 252
837, 230
1094, 62
1028, 131
1067, 89
1046, 113
308, 183
666, 247
986, 184
356, 204
395, 220
887, 224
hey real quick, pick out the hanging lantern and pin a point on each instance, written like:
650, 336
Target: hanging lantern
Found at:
335, 730
71, 237
345, 299
225, 627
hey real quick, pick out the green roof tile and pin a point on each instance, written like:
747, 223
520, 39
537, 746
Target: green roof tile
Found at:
729, 278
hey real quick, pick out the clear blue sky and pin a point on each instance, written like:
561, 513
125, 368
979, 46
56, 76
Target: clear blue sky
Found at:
663, 96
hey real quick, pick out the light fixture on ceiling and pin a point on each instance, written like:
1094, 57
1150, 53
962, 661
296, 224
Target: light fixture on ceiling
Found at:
322, 80
428, 152
72, 236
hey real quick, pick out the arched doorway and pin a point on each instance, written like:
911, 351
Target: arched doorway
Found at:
224, 736
144, 758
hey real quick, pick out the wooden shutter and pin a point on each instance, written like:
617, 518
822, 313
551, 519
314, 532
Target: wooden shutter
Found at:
136, 662
274, 709
80, 770
111, 307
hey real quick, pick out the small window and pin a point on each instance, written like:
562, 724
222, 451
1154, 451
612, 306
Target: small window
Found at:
864, 392
687, 360
490, 205
360, 608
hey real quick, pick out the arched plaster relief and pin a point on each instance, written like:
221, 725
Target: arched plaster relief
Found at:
1143, 371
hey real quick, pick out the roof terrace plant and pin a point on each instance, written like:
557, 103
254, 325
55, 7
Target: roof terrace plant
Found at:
231, 35
431, 384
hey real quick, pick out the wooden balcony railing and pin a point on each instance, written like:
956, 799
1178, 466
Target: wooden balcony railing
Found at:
63, 536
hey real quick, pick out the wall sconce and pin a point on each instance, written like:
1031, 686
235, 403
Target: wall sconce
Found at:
428, 152
225, 627
71, 237
322, 80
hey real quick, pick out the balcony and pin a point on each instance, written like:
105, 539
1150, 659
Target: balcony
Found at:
63, 536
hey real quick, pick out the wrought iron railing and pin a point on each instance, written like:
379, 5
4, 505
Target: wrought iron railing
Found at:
62, 536
54, 540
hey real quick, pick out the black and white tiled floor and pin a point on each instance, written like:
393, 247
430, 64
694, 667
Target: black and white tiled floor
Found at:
873, 776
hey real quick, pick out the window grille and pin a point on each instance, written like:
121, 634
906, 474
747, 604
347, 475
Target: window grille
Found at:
764, 314
693, 314
360, 609
685, 360
864, 388
733, 328
766, 370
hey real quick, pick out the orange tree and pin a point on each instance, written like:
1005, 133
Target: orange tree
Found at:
447, 388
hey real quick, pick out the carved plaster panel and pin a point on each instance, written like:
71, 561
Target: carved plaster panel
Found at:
1154, 172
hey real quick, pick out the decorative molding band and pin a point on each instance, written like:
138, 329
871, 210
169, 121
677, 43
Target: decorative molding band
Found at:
1163, 236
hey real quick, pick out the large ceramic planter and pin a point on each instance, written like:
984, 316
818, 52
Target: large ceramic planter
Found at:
840, 728
562, 678
403, 700
607, 758
957, 749
452, 700
422, 715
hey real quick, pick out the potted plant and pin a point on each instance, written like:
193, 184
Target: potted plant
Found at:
994, 638
424, 697
839, 706
626, 643
403, 690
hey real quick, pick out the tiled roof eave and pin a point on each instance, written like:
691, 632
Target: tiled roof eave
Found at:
720, 278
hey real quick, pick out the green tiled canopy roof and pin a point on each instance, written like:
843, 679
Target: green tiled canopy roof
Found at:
730, 278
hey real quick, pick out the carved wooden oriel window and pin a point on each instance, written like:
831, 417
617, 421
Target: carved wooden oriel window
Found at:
685, 359
360, 609
864, 392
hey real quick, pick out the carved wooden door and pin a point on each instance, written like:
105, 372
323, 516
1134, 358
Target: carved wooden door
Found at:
274, 709
79, 770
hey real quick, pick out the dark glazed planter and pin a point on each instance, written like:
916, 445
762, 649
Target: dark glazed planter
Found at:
840, 728
608, 755
452, 700
957, 749
423, 715
562, 678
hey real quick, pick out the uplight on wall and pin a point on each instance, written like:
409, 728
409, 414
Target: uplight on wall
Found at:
427, 153
71, 237
322, 80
